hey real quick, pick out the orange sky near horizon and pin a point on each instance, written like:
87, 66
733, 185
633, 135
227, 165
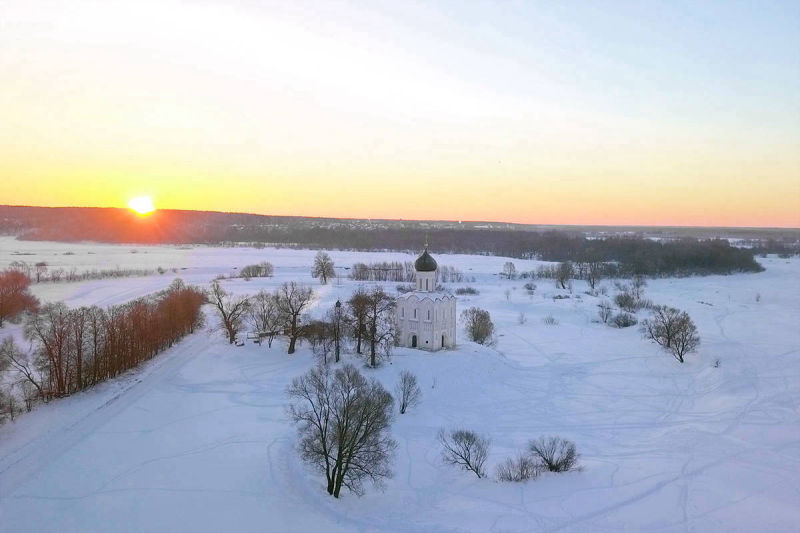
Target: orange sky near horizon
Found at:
405, 112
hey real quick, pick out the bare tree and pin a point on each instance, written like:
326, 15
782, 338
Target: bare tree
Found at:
323, 267
357, 317
465, 448
319, 335
593, 272
264, 316
49, 329
408, 391
509, 270
380, 325
686, 339
662, 326
638, 283
12, 356
673, 330
232, 310
343, 422
293, 300
478, 325
555, 454
7, 402
564, 273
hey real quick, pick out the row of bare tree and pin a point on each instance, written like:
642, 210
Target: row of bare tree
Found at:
72, 349
402, 272
364, 322
41, 272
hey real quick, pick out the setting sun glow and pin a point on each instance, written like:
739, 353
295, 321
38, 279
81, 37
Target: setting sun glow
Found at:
143, 205
536, 112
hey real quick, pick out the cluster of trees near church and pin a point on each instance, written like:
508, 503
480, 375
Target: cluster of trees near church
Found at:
364, 323
402, 272
75, 348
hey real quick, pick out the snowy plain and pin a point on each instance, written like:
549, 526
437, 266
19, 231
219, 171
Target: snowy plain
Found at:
198, 439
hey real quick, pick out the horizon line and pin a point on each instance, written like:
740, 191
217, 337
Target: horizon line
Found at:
389, 219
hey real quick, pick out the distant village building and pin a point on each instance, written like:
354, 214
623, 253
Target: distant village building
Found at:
426, 317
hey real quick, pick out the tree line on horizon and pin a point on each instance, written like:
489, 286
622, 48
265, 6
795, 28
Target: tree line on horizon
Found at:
630, 254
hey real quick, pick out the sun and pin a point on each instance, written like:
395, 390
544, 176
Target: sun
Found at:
143, 205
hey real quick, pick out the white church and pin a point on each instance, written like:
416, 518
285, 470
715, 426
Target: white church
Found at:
426, 317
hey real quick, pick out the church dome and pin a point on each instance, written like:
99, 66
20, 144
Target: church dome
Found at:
425, 263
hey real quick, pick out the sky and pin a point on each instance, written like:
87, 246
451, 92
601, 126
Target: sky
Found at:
618, 113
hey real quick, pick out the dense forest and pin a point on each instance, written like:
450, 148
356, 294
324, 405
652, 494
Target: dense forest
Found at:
653, 251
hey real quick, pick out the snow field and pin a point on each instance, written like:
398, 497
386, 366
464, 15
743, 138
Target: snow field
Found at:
198, 438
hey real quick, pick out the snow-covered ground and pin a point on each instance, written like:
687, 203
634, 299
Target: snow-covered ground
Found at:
198, 439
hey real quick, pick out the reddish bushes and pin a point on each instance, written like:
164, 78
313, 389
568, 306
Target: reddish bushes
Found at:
76, 348
15, 296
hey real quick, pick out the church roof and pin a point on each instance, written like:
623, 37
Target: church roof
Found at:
425, 263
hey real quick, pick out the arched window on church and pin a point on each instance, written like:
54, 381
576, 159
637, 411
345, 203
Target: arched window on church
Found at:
415, 313
429, 314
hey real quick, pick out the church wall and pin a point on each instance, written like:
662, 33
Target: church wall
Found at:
429, 331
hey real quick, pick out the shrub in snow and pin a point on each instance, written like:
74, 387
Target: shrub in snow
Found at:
624, 320
673, 330
516, 469
343, 421
554, 454
522, 319
466, 449
402, 289
461, 291
686, 339
563, 274
478, 325
261, 270
509, 270
626, 302
550, 320
264, 316
531, 288
407, 391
